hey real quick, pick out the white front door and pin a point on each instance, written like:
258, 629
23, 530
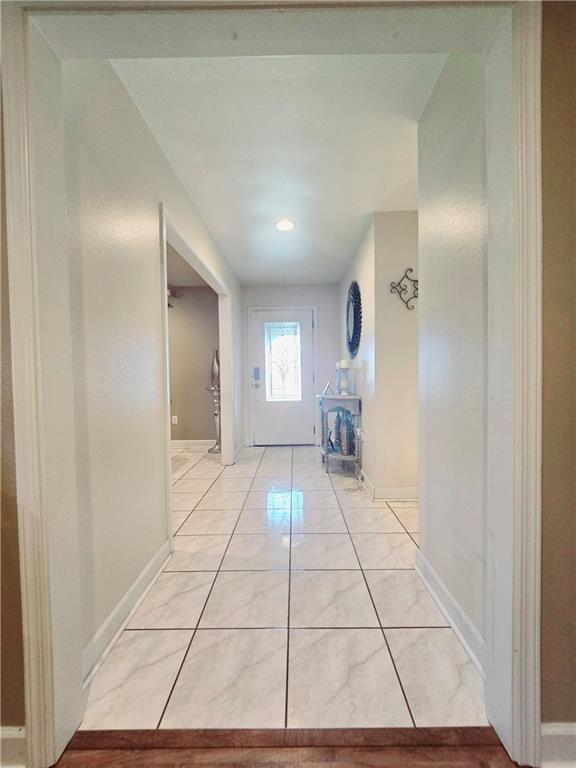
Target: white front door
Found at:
281, 351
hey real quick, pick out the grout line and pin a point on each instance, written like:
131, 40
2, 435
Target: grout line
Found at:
198, 502
378, 616
284, 570
289, 590
198, 622
282, 628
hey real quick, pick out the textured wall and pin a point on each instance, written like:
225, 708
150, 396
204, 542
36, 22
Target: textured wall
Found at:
193, 331
452, 339
559, 362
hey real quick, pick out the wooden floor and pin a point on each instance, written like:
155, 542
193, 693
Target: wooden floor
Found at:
345, 748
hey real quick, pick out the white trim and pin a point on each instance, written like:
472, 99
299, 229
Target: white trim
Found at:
39, 681
12, 746
106, 633
194, 445
167, 434
463, 628
171, 235
367, 484
525, 606
401, 492
558, 745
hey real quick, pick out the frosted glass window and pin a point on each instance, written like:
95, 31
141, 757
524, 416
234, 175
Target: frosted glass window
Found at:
283, 361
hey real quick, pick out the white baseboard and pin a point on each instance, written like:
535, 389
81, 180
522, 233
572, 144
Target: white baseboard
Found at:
193, 445
12, 746
400, 493
376, 492
107, 631
558, 745
367, 484
464, 629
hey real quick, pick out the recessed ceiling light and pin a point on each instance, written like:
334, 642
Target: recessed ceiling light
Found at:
284, 225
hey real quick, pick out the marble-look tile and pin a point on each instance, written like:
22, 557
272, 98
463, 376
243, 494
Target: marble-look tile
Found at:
402, 600
175, 451
174, 601
415, 538
181, 472
260, 552
204, 471
178, 517
197, 553
351, 498
311, 482
231, 679
179, 462
306, 520
264, 521
232, 484
223, 500
324, 551
372, 521
442, 685
278, 483
185, 500
401, 503
204, 521
272, 500
409, 517
192, 485
385, 550
330, 599
314, 499
131, 687
343, 678
277, 469
247, 599
242, 471
344, 482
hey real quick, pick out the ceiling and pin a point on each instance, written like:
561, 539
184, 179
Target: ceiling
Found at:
322, 140
179, 272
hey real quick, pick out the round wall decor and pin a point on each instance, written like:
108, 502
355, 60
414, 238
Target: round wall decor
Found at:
353, 319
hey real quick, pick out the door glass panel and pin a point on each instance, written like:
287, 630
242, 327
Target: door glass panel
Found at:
283, 361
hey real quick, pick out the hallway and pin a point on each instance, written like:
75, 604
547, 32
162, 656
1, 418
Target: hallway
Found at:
290, 600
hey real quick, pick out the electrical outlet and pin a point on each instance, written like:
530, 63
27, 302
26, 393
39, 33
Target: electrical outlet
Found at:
174, 419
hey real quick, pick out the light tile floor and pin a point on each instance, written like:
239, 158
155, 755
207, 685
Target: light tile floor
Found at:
290, 600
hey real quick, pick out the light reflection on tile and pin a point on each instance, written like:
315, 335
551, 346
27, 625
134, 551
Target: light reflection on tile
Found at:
264, 521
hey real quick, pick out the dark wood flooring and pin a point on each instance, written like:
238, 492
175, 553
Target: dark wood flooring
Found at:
340, 748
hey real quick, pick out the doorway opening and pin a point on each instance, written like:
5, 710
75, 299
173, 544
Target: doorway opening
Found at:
275, 512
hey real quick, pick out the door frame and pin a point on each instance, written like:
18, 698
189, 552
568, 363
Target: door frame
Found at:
521, 685
250, 312
169, 233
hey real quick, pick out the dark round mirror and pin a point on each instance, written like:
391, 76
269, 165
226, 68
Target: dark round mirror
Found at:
353, 319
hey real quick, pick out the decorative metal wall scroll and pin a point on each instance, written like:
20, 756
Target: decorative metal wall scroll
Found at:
406, 288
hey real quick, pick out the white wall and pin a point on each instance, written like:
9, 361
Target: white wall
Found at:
362, 376
193, 334
385, 371
396, 358
326, 299
452, 338
117, 177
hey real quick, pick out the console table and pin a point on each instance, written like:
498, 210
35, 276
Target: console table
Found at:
350, 408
